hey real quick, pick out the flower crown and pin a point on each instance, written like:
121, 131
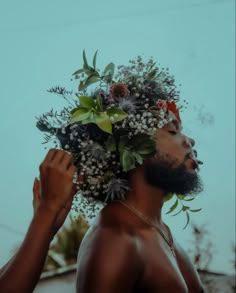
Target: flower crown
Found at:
109, 128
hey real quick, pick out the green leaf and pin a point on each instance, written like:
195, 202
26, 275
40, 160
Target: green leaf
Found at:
189, 199
151, 74
185, 208
75, 109
185, 197
138, 158
79, 114
123, 142
78, 71
87, 102
95, 59
145, 147
117, 114
86, 66
147, 151
168, 197
195, 211
110, 144
109, 70
178, 212
103, 122
141, 143
188, 218
173, 207
91, 79
98, 103
127, 160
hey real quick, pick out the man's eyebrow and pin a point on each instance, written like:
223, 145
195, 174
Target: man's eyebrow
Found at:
176, 124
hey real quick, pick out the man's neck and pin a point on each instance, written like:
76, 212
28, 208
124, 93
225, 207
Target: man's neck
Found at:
147, 199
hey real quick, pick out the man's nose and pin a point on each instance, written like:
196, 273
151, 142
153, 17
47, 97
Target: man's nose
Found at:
189, 142
192, 142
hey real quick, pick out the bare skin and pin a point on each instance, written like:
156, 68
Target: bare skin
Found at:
53, 196
122, 253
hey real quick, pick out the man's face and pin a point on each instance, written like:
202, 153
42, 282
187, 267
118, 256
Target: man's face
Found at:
174, 167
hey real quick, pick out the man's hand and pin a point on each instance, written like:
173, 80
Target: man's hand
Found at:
56, 181
62, 213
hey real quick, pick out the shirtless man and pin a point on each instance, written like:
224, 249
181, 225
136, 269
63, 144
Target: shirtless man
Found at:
129, 248
53, 196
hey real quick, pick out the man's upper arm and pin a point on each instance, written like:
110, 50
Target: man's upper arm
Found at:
108, 262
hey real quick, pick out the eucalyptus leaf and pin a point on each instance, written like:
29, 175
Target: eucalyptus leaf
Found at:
88, 71
91, 79
109, 70
173, 207
95, 59
127, 160
87, 102
78, 71
86, 66
103, 122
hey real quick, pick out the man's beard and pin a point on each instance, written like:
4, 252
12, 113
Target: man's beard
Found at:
159, 172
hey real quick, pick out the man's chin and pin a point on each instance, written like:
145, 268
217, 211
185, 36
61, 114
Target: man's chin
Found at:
181, 180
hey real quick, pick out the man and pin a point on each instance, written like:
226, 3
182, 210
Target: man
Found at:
53, 196
129, 248
130, 153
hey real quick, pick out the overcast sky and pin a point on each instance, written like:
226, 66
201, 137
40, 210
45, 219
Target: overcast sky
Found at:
41, 46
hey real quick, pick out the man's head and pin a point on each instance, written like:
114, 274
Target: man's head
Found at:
109, 132
174, 166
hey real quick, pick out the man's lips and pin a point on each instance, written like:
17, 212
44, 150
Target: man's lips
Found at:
193, 157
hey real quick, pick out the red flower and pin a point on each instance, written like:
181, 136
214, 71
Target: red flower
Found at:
161, 104
119, 90
171, 106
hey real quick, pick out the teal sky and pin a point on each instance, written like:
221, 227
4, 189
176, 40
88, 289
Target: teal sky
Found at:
41, 46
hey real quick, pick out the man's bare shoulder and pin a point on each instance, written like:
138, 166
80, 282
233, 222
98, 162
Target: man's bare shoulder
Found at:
113, 226
109, 253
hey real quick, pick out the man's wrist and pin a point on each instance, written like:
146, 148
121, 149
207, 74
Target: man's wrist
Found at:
47, 212
49, 206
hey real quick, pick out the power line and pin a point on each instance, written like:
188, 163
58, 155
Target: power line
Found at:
11, 230
54, 26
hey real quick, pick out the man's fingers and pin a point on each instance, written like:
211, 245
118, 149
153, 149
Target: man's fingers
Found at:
50, 155
67, 161
36, 188
59, 157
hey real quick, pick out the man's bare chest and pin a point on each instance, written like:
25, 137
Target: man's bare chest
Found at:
164, 272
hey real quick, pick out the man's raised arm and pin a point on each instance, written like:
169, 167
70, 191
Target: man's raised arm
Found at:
22, 273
